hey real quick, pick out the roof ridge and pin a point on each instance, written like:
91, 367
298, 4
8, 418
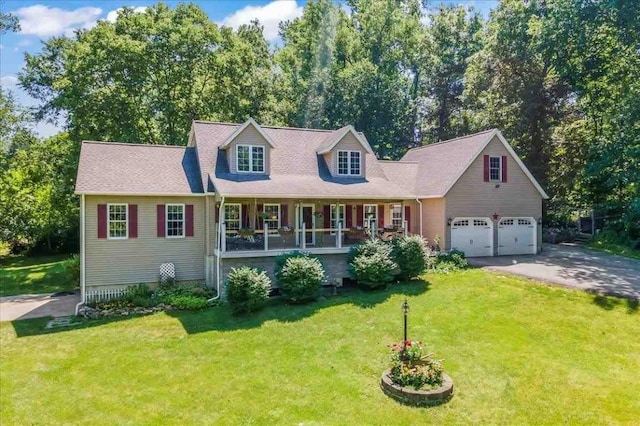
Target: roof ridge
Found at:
451, 140
268, 127
134, 144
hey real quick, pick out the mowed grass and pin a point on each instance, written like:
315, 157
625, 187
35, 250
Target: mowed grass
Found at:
519, 353
33, 275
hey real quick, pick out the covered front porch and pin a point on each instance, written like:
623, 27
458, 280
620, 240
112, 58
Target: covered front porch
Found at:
261, 227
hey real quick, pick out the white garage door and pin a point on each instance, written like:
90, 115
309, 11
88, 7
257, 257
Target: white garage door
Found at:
472, 235
516, 235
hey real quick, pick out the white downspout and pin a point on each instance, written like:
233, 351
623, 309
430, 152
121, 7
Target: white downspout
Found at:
219, 248
83, 291
420, 203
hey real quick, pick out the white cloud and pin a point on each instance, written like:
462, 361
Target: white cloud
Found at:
44, 21
9, 82
113, 15
269, 15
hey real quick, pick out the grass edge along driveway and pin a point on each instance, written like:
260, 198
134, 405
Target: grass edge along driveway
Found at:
519, 353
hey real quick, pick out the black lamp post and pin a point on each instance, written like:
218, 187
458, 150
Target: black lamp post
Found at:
405, 311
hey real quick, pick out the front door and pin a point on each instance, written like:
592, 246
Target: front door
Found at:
306, 217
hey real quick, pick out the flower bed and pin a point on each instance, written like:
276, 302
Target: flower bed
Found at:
415, 376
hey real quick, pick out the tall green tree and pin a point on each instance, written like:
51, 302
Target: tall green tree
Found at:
145, 77
455, 36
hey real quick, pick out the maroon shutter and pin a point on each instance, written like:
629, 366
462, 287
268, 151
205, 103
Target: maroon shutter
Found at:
160, 221
349, 216
504, 168
284, 212
133, 221
245, 216
486, 168
102, 221
359, 215
407, 217
259, 220
217, 209
380, 215
326, 212
189, 220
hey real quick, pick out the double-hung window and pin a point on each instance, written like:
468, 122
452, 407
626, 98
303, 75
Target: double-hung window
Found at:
396, 216
175, 220
337, 216
250, 158
349, 163
494, 168
118, 222
232, 215
370, 216
272, 218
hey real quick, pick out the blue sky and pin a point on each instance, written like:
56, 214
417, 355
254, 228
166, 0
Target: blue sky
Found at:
42, 19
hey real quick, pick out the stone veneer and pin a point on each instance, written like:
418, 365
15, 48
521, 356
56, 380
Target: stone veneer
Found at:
420, 398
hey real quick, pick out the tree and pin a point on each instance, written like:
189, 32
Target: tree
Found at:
145, 77
455, 36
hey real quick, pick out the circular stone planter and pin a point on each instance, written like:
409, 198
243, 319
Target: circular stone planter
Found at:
418, 398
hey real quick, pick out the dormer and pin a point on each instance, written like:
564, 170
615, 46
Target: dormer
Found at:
248, 149
345, 153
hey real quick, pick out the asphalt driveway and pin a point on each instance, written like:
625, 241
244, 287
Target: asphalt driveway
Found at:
573, 267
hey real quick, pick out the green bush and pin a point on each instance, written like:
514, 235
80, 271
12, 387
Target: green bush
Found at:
410, 254
139, 291
444, 263
282, 259
187, 302
72, 267
247, 289
301, 278
371, 264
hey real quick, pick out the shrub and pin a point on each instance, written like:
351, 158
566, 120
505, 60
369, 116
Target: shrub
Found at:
139, 291
247, 289
410, 254
72, 267
371, 264
282, 259
453, 261
187, 302
301, 278
414, 367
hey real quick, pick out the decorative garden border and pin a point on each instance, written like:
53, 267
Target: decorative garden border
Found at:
419, 398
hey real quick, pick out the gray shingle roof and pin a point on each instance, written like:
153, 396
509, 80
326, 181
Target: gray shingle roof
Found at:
441, 164
122, 168
296, 169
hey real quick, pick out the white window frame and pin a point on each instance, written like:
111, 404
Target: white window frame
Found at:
349, 165
264, 210
126, 214
499, 168
333, 220
365, 221
401, 219
224, 212
166, 220
252, 168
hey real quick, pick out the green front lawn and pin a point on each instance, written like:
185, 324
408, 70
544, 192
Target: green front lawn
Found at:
33, 275
519, 353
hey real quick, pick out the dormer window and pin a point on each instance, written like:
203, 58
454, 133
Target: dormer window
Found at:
349, 163
250, 158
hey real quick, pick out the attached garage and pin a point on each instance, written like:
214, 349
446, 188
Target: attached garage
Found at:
517, 235
472, 235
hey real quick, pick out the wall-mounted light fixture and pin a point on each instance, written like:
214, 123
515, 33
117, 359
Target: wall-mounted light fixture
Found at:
540, 221
449, 221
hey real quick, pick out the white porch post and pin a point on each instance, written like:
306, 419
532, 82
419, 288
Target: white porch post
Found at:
223, 236
303, 241
405, 226
266, 236
339, 235
372, 229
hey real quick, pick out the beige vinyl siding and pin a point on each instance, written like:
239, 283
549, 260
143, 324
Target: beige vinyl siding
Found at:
471, 196
347, 143
137, 260
433, 219
249, 136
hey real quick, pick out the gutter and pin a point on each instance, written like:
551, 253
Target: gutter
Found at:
420, 203
83, 291
218, 247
